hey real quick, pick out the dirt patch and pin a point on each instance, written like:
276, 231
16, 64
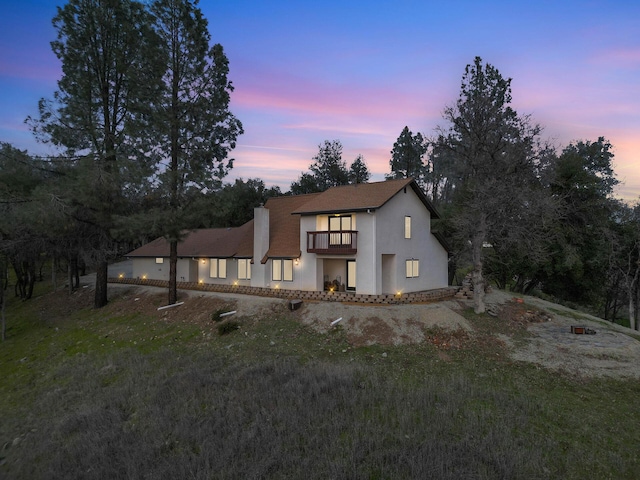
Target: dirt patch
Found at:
383, 325
611, 352
520, 315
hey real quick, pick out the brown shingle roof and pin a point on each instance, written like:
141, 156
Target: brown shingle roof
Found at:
245, 242
361, 197
284, 223
284, 228
207, 242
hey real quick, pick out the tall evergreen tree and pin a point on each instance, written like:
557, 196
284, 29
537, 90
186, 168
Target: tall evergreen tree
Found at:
493, 156
327, 170
193, 126
110, 78
407, 157
582, 183
358, 171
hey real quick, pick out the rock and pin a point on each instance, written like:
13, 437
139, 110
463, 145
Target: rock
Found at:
295, 304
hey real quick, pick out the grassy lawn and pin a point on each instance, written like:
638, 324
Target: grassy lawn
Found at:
113, 393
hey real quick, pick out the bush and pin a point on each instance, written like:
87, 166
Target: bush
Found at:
217, 315
228, 326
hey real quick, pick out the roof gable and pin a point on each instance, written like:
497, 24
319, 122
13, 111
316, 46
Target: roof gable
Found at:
284, 228
361, 197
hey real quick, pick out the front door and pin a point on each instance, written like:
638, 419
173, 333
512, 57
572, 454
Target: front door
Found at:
351, 274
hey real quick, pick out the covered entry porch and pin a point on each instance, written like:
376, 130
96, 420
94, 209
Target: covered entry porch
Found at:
338, 274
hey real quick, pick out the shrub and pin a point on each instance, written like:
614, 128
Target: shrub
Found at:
228, 326
217, 315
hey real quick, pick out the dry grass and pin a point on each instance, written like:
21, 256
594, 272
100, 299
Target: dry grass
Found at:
123, 393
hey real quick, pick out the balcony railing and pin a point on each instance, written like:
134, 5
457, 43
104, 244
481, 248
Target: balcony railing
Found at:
338, 243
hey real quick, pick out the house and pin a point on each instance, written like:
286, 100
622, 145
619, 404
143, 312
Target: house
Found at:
370, 238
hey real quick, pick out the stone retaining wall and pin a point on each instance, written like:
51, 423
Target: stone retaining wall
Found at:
388, 299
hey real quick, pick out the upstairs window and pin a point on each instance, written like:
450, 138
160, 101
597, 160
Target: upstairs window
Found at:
340, 230
407, 227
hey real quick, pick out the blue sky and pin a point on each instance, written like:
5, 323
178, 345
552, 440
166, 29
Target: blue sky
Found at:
305, 72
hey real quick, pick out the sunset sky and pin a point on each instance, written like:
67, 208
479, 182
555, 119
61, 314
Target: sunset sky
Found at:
310, 71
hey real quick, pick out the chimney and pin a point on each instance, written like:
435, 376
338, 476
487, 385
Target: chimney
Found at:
260, 233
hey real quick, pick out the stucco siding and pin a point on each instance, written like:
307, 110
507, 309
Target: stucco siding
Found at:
186, 269
367, 264
422, 245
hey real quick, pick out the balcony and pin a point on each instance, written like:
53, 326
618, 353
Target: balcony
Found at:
333, 243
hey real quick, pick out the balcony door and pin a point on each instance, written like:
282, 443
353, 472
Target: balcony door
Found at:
340, 230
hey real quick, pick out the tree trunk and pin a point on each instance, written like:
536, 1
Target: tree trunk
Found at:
633, 285
173, 271
69, 277
74, 277
100, 299
477, 241
3, 297
633, 299
31, 279
637, 300
451, 271
476, 274
3, 301
54, 267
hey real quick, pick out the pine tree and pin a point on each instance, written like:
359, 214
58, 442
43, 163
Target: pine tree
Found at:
492, 153
99, 112
193, 126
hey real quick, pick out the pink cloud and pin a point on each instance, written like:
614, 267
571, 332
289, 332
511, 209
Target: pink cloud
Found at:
618, 57
285, 92
41, 72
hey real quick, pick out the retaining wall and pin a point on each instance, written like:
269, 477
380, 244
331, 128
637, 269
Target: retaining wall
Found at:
347, 297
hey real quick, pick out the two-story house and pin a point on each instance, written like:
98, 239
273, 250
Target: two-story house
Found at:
371, 238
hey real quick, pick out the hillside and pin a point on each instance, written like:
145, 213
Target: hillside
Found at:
419, 391
533, 331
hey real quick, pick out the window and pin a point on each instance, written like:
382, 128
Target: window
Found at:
407, 227
244, 269
218, 268
412, 267
282, 270
159, 260
340, 230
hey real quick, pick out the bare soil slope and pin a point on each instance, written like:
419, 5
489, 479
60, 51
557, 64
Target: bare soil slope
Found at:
538, 331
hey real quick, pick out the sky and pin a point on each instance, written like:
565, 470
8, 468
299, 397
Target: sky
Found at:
358, 72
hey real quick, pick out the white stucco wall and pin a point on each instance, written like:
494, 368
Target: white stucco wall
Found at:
148, 268
422, 245
367, 261
380, 237
186, 269
309, 271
